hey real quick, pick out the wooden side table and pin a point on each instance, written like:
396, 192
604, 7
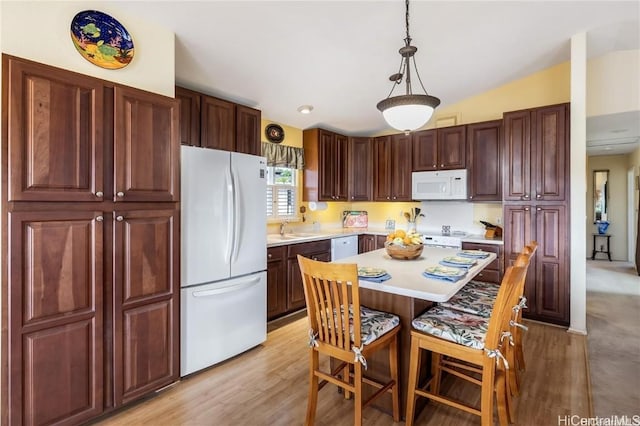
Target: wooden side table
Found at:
602, 246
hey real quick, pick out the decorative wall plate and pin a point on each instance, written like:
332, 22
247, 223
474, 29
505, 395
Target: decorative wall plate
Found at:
274, 133
101, 39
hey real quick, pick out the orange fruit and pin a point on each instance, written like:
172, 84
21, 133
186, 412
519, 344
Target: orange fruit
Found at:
407, 241
390, 237
400, 233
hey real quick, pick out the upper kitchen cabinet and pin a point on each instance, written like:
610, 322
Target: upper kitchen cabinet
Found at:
439, 149
392, 166
326, 166
146, 148
214, 123
360, 169
189, 116
536, 151
55, 133
484, 170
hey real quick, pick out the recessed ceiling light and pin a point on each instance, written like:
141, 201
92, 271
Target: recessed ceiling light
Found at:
607, 148
305, 109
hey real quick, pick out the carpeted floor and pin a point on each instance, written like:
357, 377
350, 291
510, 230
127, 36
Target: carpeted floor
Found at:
613, 325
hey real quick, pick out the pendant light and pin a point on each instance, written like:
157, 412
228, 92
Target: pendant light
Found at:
409, 111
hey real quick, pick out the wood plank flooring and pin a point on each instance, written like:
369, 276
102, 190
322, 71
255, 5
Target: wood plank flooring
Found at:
268, 386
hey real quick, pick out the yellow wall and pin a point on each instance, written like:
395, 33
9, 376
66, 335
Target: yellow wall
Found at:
24, 23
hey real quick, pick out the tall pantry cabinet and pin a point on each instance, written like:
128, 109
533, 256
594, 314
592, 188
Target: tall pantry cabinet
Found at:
536, 204
90, 221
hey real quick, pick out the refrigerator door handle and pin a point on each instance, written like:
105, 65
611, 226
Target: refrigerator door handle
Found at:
236, 215
230, 216
228, 289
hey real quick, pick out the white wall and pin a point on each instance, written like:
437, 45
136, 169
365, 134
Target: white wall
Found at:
39, 31
613, 83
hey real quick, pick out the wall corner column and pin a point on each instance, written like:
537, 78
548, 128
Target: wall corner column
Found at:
578, 166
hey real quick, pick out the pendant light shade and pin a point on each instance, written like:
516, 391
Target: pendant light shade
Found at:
410, 111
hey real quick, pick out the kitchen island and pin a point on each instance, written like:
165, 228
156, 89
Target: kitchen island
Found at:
407, 294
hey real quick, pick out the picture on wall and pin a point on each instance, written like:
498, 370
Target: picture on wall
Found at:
101, 39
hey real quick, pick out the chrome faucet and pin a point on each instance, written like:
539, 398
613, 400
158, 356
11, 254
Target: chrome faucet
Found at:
282, 227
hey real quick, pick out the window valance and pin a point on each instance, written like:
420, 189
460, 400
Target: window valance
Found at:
283, 156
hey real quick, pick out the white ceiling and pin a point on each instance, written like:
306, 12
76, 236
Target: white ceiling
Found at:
337, 55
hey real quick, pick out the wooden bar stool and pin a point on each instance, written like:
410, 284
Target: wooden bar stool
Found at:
348, 332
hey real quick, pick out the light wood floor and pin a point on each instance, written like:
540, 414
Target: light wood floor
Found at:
268, 386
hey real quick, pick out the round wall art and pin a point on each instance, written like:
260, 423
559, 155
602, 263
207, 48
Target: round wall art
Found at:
101, 39
274, 133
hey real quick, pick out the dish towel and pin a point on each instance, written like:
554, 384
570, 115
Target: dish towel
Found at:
379, 279
455, 265
453, 279
476, 255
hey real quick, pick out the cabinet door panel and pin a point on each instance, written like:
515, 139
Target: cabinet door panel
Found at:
382, 168
341, 176
146, 146
425, 150
452, 147
189, 116
56, 316
401, 150
248, 130
360, 169
146, 289
295, 290
276, 282
517, 156
551, 146
217, 124
55, 134
327, 160
518, 232
551, 265
484, 162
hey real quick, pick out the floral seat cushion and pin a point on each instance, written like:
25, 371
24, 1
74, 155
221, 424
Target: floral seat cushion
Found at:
456, 326
472, 300
373, 324
488, 288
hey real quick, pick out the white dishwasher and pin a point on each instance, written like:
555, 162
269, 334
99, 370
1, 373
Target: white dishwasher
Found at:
342, 247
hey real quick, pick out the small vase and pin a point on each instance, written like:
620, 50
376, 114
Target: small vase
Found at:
602, 227
411, 227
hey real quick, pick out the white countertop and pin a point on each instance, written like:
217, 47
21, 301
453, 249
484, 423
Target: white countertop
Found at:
406, 275
275, 240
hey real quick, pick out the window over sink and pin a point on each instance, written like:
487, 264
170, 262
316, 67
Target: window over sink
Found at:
282, 193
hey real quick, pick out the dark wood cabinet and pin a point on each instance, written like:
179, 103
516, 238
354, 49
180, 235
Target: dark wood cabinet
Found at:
326, 166
248, 123
146, 284
392, 168
439, 149
316, 250
94, 275
276, 281
217, 124
146, 146
484, 165
55, 126
55, 347
360, 169
547, 286
189, 102
370, 242
493, 272
536, 153
214, 123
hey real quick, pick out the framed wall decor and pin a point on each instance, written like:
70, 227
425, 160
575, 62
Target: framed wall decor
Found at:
101, 39
274, 133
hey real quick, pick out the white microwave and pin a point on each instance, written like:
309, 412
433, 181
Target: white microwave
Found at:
439, 185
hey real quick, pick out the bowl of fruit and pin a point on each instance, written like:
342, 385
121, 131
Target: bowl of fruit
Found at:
403, 246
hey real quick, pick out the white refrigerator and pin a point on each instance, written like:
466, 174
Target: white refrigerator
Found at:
223, 256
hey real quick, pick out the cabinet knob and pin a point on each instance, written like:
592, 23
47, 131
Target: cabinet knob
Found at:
120, 194
119, 218
314, 258
526, 209
539, 209
99, 219
269, 255
395, 198
525, 196
99, 194
434, 166
387, 198
441, 165
471, 197
538, 196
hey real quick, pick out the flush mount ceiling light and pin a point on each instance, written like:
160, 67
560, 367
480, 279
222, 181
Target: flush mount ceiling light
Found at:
305, 109
409, 111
